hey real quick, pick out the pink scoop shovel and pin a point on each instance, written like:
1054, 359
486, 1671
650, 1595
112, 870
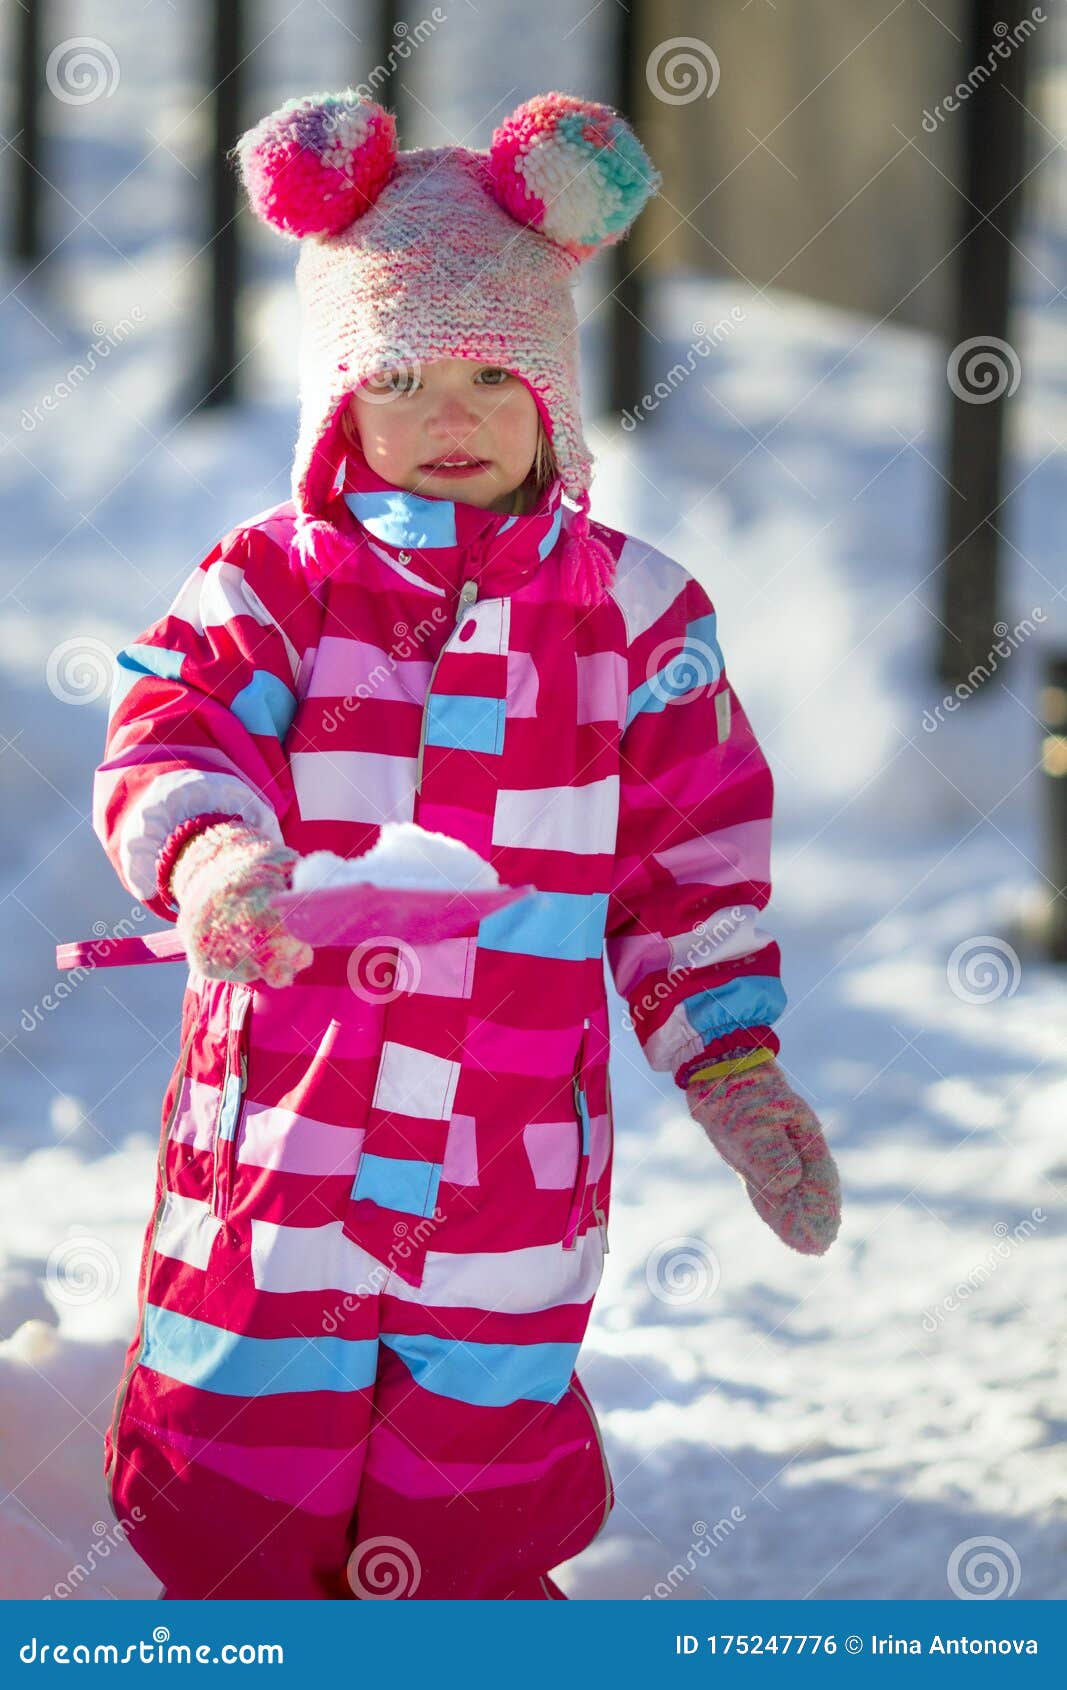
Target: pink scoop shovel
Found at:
330, 915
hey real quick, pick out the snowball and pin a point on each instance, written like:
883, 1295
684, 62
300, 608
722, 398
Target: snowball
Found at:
405, 855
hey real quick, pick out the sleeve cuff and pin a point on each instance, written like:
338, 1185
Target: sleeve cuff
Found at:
176, 841
730, 1048
731, 1065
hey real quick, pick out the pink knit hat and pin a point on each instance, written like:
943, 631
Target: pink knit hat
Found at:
444, 252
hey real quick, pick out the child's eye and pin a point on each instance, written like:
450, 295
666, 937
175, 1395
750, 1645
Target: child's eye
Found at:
495, 370
394, 381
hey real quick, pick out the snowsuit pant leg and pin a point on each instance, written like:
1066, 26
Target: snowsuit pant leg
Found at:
237, 1442
471, 1489
437, 1479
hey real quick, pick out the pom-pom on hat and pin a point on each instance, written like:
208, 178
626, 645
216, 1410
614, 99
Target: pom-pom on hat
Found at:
444, 252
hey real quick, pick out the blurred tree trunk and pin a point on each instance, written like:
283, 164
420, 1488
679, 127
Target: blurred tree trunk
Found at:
983, 367
219, 378
26, 150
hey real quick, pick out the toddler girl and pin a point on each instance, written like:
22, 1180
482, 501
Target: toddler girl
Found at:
382, 1199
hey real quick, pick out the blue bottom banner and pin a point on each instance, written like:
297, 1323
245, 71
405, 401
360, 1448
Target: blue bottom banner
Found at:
528, 1643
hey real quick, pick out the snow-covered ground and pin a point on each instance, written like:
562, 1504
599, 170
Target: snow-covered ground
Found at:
777, 1425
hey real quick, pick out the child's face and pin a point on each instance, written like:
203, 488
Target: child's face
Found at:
408, 420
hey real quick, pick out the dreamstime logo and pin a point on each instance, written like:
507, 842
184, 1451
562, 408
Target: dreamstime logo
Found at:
30, 1019
160, 1649
406, 38
383, 968
82, 69
682, 1270
685, 64
100, 347
983, 368
1008, 1239
81, 1270
706, 937
408, 1239
680, 666
383, 1569
79, 670
704, 1540
107, 1538
410, 642
65, 988
705, 343
397, 372
1008, 39
983, 969
982, 1569
1008, 640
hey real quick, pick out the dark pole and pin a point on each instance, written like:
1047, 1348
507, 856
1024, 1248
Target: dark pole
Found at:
1054, 772
627, 302
26, 152
387, 89
219, 380
993, 147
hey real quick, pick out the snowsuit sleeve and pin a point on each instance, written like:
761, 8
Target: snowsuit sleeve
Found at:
700, 977
200, 707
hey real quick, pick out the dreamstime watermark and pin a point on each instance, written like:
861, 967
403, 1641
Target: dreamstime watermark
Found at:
100, 347
1008, 1240
680, 666
705, 343
80, 670
410, 643
407, 38
982, 1569
682, 1270
82, 69
707, 936
1008, 39
705, 1539
408, 1240
983, 969
82, 1269
398, 368
983, 368
160, 1651
383, 1569
63, 989
107, 1538
1008, 640
383, 968
682, 70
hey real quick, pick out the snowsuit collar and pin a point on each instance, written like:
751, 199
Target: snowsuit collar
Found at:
444, 542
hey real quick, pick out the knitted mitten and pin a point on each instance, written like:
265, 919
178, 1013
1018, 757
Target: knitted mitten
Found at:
770, 1136
223, 881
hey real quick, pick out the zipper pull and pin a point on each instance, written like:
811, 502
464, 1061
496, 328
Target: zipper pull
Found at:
467, 595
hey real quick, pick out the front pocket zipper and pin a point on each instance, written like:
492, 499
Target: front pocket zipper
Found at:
232, 1104
581, 1117
601, 1218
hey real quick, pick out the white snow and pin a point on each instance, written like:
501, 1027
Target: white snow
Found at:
777, 1426
404, 854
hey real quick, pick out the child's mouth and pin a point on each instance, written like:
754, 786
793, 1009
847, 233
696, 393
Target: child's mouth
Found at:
459, 466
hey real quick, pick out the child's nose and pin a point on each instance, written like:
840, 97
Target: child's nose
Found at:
455, 410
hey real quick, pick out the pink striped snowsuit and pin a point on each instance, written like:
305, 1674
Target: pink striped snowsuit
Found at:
381, 1208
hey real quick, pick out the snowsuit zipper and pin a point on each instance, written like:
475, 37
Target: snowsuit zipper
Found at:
467, 595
